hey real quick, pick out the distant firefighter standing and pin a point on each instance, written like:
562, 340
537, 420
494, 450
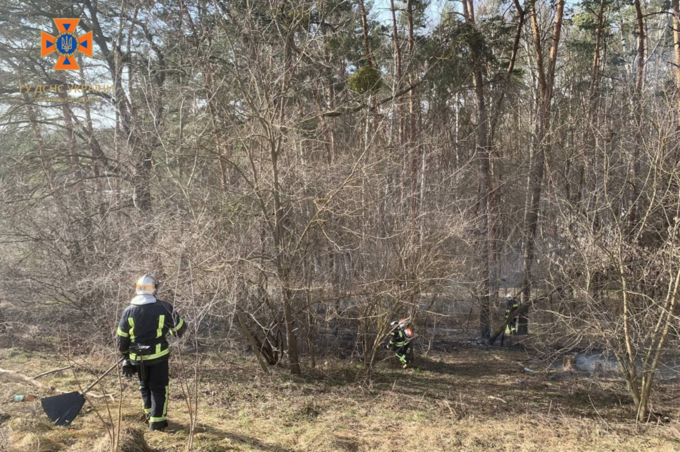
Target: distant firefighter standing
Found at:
512, 304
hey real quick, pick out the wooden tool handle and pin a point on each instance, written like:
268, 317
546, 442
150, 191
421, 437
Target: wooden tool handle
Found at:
103, 375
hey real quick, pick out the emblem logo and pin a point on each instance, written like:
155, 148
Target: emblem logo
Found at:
66, 44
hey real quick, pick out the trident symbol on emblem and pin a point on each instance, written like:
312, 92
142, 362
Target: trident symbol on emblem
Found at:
67, 44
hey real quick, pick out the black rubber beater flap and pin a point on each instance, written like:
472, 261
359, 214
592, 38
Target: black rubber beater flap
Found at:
62, 409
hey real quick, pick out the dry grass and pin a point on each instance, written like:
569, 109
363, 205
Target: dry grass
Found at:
466, 399
131, 440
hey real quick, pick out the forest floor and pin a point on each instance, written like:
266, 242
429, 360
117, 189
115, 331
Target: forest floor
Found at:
468, 398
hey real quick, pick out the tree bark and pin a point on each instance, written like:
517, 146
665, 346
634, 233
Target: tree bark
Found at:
676, 53
495, 175
397, 71
371, 96
44, 160
414, 146
283, 267
546, 80
482, 153
364, 28
637, 112
253, 342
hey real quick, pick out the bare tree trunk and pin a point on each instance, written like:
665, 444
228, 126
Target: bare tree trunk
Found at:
253, 342
364, 28
629, 361
369, 62
330, 105
98, 158
208, 85
546, 81
595, 69
592, 118
414, 146
637, 111
495, 176
283, 267
482, 152
676, 53
497, 108
484, 197
397, 71
70, 133
33, 119
411, 62
659, 338
283, 272
210, 99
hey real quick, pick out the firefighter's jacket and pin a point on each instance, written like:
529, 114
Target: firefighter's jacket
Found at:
398, 338
511, 327
512, 304
144, 324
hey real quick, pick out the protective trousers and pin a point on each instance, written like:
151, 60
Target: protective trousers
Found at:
401, 350
154, 384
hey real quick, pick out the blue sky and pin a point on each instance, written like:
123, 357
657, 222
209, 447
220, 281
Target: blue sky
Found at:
381, 8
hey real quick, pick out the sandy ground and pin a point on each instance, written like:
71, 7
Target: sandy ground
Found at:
466, 398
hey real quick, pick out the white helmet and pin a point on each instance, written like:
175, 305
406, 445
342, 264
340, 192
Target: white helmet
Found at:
509, 296
147, 285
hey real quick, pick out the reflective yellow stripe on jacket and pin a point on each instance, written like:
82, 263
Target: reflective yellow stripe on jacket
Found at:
131, 322
150, 357
161, 323
176, 328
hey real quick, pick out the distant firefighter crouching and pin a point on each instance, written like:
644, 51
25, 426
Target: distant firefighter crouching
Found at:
400, 340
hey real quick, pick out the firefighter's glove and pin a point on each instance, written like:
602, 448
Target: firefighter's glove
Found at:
129, 369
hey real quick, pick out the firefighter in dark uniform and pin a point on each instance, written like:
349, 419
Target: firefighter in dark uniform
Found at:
511, 328
400, 340
141, 338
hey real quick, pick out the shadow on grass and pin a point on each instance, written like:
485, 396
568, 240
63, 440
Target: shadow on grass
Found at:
494, 383
252, 443
485, 383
